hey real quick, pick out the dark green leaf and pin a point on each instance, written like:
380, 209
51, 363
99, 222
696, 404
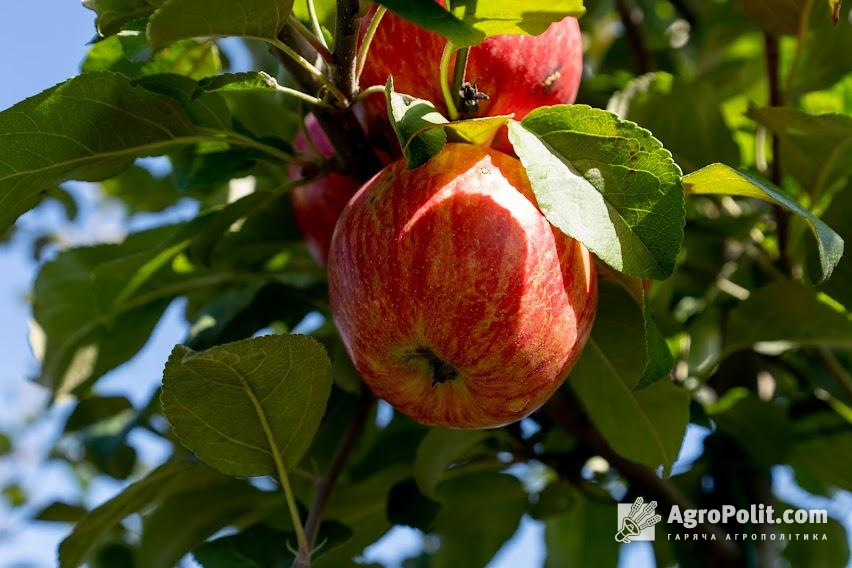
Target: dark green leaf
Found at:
719, 179
431, 16
5, 444
761, 428
256, 547
833, 552
828, 458
49, 138
575, 536
408, 506
440, 449
605, 182
474, 527
249, 81
783, 315
167, 480
248, 408
93, 409
130, 54
59, 512
182, 19
113, 14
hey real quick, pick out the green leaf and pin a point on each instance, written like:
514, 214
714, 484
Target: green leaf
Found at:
59, 512
814, 148
140, 191
169, 479
408, 506
248, 408
659, 102
256, 547
93, 409
660, 360
783, 315
837, 216
822, 63
168, 533
646, 426
828, 458
605, 182
430, 15
5, 444
48, 139
440, 449
411, 119
761, 428
508, 17
777, 17
719, 179
95, 307
573, 537
113, 14
183, 19
472, 526
249, 81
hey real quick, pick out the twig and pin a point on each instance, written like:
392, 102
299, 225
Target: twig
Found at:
636, 38
326, 484
776, 99
841, 375
345, 46
315, 23
363, 51
314, 40
372, 90
311, 69
567, 413
354, 153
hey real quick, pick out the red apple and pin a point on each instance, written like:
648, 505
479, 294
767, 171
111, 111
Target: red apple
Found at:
317, 205
457, 301
518, 73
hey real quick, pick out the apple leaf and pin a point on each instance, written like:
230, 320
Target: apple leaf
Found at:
248, 81
719, 179
422, 131
411, 118
429, 15
248, 408
783, 315
60, 512
93, 409
440, 449
472, 526
471, 21
48, 139
605, 379
509, 17
830, 551
607, 183
814, 148
572, 535
112, 15
184, 19
165, 481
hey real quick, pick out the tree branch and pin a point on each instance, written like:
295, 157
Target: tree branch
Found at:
776, 99
345, 48
326, 484
355, 155
642, 59
568, 414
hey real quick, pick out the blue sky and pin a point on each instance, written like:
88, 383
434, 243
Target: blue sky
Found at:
41, 44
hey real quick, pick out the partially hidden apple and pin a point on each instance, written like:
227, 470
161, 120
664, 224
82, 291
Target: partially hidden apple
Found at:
518, 73
318, 203
457, 301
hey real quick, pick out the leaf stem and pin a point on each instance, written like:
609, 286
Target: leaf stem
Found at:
449, 99
307, 66
363, 51
315, 23
310, 37
372, 90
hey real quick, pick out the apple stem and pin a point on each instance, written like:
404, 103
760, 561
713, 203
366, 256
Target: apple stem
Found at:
449, 97
460, 71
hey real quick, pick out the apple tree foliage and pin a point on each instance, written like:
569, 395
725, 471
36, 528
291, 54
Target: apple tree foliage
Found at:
707, 165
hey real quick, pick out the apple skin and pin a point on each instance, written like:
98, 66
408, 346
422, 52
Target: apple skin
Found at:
317, 204
456, 300
518, 73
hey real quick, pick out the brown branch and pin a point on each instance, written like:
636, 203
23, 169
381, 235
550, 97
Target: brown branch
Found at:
642, 58
355, 155
326, 484
776, 99
567, 413
345, 48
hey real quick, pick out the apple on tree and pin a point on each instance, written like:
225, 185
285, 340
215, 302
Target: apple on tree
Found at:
517, 73
457, 301
317, 204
